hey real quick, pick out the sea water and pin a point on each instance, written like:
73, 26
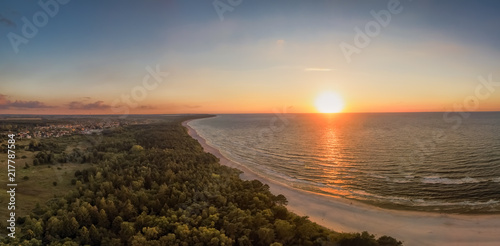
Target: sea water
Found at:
412, 161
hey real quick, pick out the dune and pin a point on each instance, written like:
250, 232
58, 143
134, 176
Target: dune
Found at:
342, 215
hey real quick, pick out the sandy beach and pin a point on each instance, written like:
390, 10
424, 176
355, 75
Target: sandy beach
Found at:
413, 228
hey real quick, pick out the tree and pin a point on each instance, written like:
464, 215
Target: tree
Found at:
139, 240
54, 226
95, 236
117, 224
34, 144
70, 227
29, 234
266, 235
70, 243
151, 233
388, 241
103, 219
169, 239
38, 229
284, 230
244, 241
281, 200
136, 149
127, 230
84, 235
182, 231
82, 215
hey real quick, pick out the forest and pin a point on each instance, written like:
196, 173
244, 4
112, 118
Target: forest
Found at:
152, 184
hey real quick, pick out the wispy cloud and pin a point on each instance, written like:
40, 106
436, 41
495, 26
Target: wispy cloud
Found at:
284, 67
147, 107
6, 103
88, 106
7, 22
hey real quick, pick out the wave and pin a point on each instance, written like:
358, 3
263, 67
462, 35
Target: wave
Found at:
466, 203
378, 176
466, 180
436, 179
440, 180
419, 202
402, 181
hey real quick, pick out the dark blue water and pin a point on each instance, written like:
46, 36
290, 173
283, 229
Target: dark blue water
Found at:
413, 161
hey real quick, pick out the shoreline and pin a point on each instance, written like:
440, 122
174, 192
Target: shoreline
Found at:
342, 215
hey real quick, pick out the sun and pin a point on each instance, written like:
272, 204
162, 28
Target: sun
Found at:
329, 102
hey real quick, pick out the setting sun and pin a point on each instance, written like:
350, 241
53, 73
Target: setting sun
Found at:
329, 102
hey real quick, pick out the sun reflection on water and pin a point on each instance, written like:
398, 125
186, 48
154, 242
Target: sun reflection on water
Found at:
332, 147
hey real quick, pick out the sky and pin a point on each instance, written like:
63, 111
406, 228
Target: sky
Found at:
242, 56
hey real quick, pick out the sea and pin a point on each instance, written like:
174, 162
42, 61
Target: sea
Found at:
444, 162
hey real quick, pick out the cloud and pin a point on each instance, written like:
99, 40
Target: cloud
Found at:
280, 42
317, 69
7, 22
147, 107
29, 104
192, 106
6, 103
88, 106
3, 99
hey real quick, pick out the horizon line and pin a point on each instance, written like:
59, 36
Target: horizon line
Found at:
379, 112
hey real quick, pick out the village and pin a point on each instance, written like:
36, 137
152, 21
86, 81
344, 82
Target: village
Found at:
59, 130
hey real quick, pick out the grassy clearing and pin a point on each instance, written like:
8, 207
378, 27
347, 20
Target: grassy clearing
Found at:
39, 187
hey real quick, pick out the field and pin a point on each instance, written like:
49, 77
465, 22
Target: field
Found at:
35, 184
